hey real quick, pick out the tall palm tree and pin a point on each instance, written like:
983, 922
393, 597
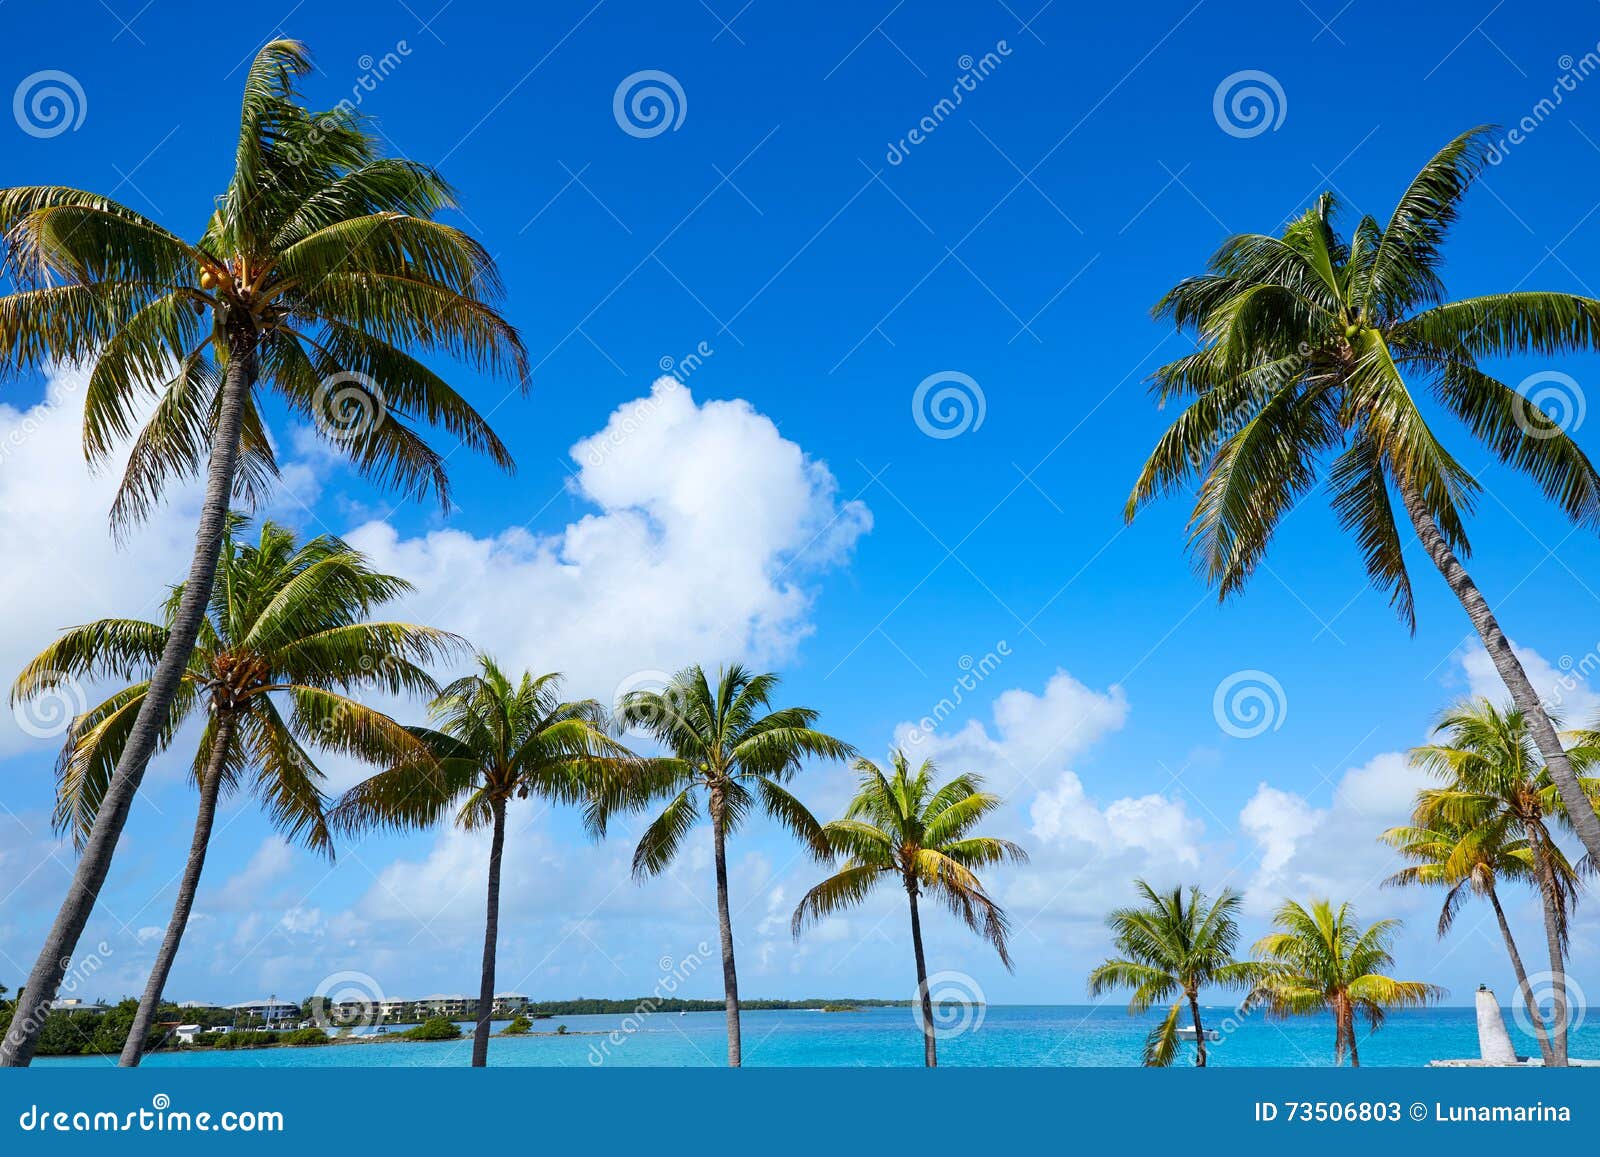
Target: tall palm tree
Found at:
320, 268
1466, 862
1312, 352
1173, 945
497, 739
728, 745
905, 830
1496, 789
1321, 960
286, 627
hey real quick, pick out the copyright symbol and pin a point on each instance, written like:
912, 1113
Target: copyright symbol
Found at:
1419, 1111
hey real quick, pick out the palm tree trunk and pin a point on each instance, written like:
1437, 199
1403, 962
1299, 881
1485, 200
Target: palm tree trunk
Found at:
1552, 935
1584, 820
930, 1049
730, 975
491, 935
56, 955
210, 789
1539, 1031
1350, 1035
1199, 1031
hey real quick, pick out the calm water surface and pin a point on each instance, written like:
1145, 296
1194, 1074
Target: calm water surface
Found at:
1008, 1035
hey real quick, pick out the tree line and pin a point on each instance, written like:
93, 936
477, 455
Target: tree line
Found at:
324, 278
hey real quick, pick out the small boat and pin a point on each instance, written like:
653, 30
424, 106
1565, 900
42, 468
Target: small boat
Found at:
1188, 1034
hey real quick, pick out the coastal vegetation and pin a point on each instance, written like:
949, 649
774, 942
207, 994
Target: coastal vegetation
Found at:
1320, 959
1174, 945
284, 640
436, 1028
322, 279
1499, 811
1312, 349
322, 261
497, 739
902, 829
731, 747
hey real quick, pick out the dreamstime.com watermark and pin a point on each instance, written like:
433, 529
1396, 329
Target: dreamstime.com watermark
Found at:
1248, 103
1562, 1005
345, 1001
673, 974
1556, 399
973, 73
76, 972
973, 673
948, 404
648, 103
959, 1005
374, 71
1249, 703
48, 103
1573, 73
53, 708
158, 1117
348, 406
676, 372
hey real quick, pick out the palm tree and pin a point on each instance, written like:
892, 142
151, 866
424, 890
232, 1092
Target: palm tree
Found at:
1320, 959
1172, 945
497, 739
905, 830
1469, 862
286, 627
1497, 791
1309, 351
729, 745
321, 266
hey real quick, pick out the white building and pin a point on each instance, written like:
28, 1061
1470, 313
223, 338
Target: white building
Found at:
451, 1007
269, 1013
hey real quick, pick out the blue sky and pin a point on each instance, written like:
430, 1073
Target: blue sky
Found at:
783, 504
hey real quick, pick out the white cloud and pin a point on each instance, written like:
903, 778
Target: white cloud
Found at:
1084, 852
1563, 689
1333, 850
53, 515
708, 520
1035, 735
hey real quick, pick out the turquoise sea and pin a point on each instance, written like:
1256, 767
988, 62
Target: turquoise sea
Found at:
1004, 1036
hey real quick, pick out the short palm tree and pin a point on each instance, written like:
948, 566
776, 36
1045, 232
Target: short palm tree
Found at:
285, 641
903, 829
1470, 862
497, 739
1496, 789
1315, 350
1321, 960
320, 268
728, 745
1172, 946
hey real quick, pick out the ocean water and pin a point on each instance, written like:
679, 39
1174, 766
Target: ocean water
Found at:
996, 1036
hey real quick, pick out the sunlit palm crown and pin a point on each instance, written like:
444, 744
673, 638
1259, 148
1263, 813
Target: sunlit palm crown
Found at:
726, 741
496, 738
1314, 347
1173, 944
901, 828
1463, 860
1320, 957
287, 627
1497, 792
322, 259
